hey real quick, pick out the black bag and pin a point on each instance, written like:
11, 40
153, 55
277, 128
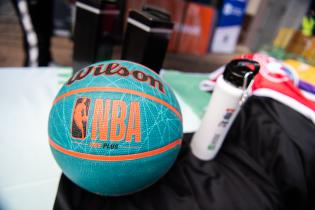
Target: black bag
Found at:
267, 162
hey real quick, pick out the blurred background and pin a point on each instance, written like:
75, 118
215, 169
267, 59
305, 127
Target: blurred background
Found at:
205, 35
189, 39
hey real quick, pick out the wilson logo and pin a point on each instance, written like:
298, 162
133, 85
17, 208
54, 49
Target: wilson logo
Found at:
116, 69
109, 120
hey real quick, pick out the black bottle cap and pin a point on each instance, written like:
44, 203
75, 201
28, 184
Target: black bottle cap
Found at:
157, 12
236, 70
152, 18
98, 4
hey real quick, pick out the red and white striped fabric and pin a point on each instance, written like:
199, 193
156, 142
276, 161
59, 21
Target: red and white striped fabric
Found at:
274, 81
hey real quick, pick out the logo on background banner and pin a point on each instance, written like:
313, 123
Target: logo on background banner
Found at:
80, 118
229, 9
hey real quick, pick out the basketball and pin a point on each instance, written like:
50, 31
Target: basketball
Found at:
115, 128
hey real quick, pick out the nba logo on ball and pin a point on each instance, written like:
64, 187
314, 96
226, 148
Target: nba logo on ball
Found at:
115, 128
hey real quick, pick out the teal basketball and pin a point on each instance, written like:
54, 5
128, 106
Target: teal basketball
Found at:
115, 128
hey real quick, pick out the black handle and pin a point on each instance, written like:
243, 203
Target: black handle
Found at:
236, 70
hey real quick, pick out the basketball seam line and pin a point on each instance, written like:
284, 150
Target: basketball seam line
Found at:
122, 90
115, 158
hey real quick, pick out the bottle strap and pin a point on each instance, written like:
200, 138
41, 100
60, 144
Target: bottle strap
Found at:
246, 90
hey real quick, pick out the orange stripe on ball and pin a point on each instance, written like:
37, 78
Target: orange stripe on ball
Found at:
119, 90
115, 158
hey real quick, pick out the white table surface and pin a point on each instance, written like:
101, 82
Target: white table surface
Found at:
29, 175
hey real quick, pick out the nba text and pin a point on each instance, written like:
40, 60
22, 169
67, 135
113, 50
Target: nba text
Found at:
109, 120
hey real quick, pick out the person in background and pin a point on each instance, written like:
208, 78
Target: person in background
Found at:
36, 20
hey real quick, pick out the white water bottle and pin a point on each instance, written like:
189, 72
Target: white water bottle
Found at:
229, 93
